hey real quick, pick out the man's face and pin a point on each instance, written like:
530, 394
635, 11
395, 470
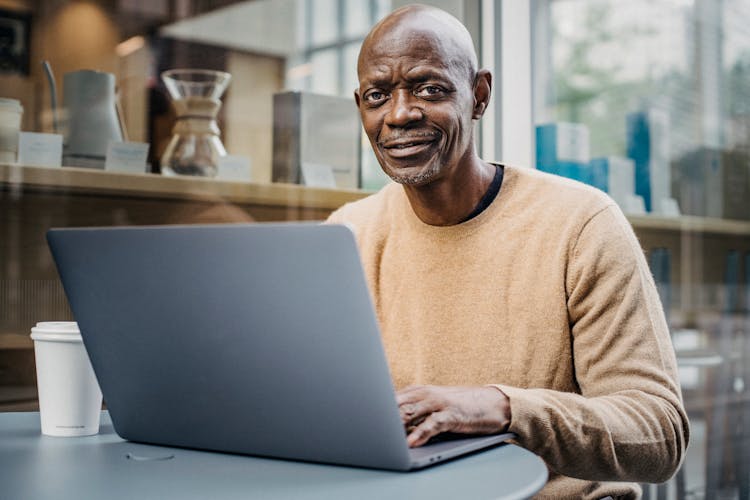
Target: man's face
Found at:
416, 98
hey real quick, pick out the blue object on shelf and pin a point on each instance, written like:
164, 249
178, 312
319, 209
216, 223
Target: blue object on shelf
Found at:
563, 149
639, 149
648, 147
614, 175
599, 173
546, 147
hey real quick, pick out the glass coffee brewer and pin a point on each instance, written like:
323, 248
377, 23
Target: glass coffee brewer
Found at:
195, 146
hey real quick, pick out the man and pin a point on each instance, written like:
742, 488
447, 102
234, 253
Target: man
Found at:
521, 298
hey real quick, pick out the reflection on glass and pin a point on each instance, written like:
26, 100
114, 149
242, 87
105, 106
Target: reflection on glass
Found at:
195, 146
605, 59
357, 17
351, 80
324, 66
736, 59
654, 97
324, 16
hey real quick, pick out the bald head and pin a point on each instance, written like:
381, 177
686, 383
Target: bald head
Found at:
419, 95
415, 24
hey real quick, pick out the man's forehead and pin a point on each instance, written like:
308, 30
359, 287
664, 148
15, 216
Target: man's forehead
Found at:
406, 66
417, 33
406, 41
412, 51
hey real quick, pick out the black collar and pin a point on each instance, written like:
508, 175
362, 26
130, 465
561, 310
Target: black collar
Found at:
489, 195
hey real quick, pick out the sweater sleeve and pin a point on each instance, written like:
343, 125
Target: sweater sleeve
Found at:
628, 422
337, 216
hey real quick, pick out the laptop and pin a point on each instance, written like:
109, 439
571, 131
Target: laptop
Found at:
255, 339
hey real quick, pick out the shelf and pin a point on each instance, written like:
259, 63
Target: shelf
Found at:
20, 406
67, 180
692, 224
15, 341
16, 394
18, 398
83, 181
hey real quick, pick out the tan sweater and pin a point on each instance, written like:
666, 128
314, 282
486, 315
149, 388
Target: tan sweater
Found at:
547, 295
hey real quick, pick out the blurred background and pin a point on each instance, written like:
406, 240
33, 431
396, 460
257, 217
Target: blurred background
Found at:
648, 100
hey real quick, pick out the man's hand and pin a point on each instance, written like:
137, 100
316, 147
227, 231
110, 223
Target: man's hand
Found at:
429, 410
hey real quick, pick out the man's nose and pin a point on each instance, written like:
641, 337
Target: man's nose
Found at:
404, 109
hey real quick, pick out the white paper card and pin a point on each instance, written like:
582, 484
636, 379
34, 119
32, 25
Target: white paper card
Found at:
233, 168
40, 150
572, 142
621, 179
634, 205
127, 157
659, 169
317, 175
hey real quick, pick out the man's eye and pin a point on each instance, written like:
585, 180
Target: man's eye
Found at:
375, 97
429, 91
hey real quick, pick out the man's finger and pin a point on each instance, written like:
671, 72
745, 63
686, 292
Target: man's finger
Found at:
407, 413
413, 414
408, 409
434, 424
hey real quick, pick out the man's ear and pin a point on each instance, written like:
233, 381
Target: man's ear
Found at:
482, 92
356, 97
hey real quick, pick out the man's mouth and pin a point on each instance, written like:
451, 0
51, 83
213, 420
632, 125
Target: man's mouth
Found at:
403, 147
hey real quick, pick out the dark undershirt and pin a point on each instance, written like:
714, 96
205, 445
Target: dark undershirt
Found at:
489, 195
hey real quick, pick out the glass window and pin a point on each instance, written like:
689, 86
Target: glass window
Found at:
648, 101
736, 60
324, 18
274, 76
351, 80
324, 71
602, 61
357, 17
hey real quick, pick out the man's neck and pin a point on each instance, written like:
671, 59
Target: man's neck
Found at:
449, 200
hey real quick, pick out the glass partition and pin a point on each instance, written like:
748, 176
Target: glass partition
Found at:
282, 73
285, 118
648, 100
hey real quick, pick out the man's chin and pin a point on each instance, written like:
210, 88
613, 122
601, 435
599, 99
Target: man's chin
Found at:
413, 181
411, 176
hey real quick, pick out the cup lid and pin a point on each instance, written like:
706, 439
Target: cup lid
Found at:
66, 331
11, 104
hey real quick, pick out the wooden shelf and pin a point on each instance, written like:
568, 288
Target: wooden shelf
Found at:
85, 181
15, 341
22, 406
19, 398
152, 186
692, 224
16, 394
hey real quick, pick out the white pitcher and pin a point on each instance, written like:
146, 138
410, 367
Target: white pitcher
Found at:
89, 97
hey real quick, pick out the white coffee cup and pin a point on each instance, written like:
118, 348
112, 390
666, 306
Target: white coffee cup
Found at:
70, 400
10, 126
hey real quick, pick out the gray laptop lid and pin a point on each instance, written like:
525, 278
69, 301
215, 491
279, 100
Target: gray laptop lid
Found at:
257, 339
